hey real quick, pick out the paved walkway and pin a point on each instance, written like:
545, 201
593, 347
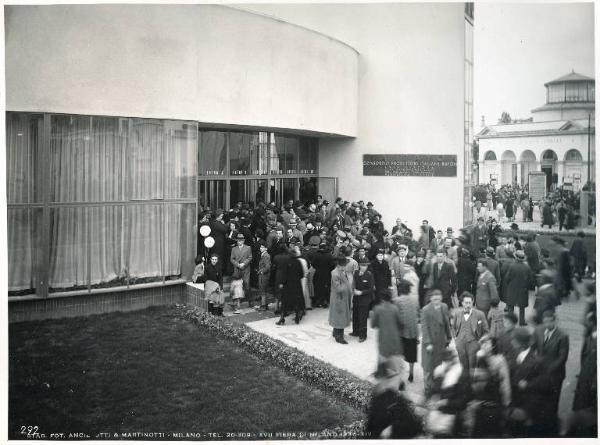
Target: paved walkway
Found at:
535, 225
314, 337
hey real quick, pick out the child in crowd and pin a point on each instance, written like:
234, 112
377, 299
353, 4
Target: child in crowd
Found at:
264, 270
495, 318
198, 270
237, 289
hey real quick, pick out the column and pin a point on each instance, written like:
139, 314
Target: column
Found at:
481, 174
560, 171
519, 167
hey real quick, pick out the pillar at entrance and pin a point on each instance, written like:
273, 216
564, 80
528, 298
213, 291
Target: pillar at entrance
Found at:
560, 170
519, 167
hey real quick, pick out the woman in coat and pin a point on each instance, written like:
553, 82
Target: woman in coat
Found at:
218, 230
408, 305
510, 210
340, 301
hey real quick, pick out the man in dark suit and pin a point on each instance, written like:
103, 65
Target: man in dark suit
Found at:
528, 386
435, 328
552, 346
241, 258
444, 277
469, 326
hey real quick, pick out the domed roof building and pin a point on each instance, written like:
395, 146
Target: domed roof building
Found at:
553, 141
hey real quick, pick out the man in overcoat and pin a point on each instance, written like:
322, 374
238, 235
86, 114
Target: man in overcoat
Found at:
487, 289
292, 295
323, 263
492, 264
552, 345
444, 277
518, 280
563, 267
241, 258
435, 330
469, 325
340, 301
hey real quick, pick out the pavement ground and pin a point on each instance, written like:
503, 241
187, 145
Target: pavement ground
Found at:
313, 336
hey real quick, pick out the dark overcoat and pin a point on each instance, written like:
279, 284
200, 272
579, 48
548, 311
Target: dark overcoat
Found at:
323, 263
435, 330
292, 297
517, 282
466, 273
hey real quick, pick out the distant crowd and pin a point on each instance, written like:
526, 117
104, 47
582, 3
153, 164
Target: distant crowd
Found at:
488, 372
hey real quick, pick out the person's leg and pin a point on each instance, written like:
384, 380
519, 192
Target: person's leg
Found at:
522, 321
363, 316
355, 324
462, 354
472, 348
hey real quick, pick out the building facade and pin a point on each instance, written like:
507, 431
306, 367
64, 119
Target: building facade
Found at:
122, 120
559, 140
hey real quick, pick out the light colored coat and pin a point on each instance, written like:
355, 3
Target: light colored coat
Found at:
340, 300
487, 290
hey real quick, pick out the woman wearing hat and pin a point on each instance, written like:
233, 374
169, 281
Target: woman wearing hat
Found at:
340, 300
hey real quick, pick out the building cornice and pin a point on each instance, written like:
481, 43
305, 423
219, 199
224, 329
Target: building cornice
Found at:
519, 134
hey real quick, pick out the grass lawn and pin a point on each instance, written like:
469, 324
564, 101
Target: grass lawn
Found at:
150, 371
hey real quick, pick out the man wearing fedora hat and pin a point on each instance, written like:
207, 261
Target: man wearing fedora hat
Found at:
517, 282
241, 258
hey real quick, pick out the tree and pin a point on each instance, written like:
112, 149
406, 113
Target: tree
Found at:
505, 118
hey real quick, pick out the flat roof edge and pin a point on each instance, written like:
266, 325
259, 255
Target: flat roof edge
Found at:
277, 19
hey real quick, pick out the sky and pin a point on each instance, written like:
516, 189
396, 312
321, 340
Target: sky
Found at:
519, 47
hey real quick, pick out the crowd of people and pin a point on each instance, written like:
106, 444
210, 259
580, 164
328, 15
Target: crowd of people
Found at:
559, 208
487, 371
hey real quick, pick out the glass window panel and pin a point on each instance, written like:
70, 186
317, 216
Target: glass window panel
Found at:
147, 159
23, 132
239, 152
291, 155
213, 153
186, 243
106, 246
308, 190
23, 248
174, 233
180, 162
288, 188
69, 158
202, 198
237, 192
284, 155
215, 194
68, 248
305, 159
143, 247
259, 154
257, 190
277, 154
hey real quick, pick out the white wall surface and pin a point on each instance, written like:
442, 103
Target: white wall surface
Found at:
537, 144
411, 98
213, 64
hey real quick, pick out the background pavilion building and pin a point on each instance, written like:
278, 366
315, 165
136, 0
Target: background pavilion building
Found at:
556, 141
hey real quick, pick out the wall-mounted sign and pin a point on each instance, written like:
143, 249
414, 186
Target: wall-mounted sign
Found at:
409, 165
